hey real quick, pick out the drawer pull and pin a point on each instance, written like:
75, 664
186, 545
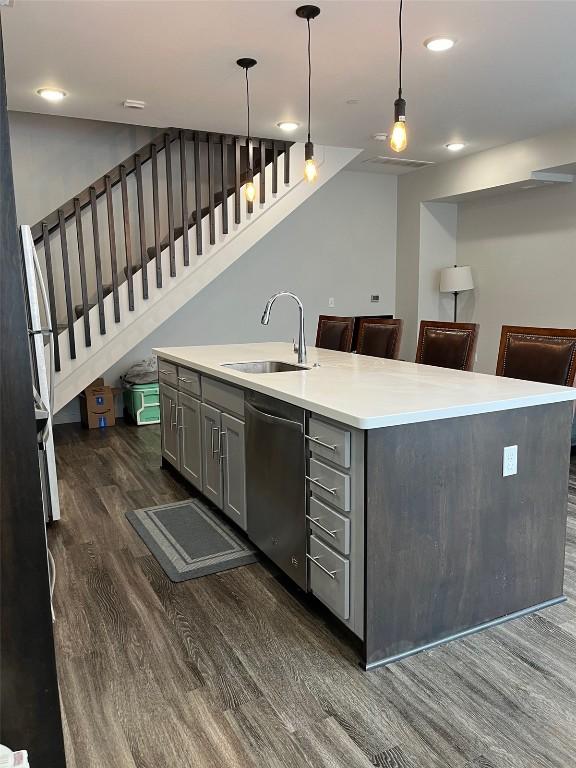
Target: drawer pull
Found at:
316, 521
317, 482
167, 373
320, 442
186, 381
314, 560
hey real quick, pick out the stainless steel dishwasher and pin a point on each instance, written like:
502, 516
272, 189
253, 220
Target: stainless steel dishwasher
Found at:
275, 482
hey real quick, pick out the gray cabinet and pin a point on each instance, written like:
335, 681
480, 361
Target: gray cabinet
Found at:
190, 429
233, 469
211, 452
169, 421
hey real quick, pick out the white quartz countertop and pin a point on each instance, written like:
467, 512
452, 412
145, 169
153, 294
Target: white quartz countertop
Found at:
367, 392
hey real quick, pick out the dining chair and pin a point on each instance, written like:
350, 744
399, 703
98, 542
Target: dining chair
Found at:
547, 355
335, 333
378, 337
447, 345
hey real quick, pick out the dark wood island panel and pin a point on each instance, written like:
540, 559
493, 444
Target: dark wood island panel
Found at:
453, 546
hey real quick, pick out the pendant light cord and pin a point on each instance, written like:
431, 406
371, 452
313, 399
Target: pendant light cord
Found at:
247, 102
400, 57
309, 78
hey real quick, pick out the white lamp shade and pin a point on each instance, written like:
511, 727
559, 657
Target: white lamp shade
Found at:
456, 279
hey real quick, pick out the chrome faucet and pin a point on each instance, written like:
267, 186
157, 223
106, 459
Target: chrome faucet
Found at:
301, 349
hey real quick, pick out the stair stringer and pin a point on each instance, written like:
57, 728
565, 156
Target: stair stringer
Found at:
106, 349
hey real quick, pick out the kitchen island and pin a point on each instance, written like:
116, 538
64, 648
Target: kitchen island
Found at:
397, 506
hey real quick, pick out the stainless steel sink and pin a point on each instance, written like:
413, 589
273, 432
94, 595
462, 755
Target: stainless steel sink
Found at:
265, 366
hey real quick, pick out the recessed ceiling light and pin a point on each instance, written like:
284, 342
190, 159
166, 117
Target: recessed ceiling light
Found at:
455, 146
51, 94
352, 101
438, 44
380, 136
288, 125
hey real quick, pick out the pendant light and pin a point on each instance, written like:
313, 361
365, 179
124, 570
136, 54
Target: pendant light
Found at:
309, 12
398, 140
249, 187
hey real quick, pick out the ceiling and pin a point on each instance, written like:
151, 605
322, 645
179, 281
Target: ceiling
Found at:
510, 75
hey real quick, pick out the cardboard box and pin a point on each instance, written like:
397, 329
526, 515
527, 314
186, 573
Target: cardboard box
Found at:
97, 405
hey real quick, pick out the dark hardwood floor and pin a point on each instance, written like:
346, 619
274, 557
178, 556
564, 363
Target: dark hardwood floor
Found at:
232, 670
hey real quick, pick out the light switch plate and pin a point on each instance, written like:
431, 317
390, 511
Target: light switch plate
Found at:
510, 461
375, 297
331, 302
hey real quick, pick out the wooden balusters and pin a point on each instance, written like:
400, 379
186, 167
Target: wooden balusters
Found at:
113, 259
51, 294
211, 216
287, 146
97, 259
262, 171
170, 202
156, 209
67, 285
237, 214
225, 182
82, 265
141, 225
127, 237
184, 185
198, 194
274, 168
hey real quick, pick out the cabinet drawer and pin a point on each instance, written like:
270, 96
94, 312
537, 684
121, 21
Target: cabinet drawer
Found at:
329, 577
167, 373
189, 382
329, 442
330, 526
329, 484
223, 396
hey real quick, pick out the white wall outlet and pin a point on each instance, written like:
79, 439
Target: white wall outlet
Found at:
331, 302
510, 461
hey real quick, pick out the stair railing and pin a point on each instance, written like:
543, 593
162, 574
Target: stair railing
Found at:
99, 239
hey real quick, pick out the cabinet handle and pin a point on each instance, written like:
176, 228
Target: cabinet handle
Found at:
315, 480
181, 409
173, 423
320, 442
216, 450
314, 560
223, 434
166, 373
186, 381
316, 521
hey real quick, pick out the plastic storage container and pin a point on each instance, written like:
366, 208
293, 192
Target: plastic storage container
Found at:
142, 402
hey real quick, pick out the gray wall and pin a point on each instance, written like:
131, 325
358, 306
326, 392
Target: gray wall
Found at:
522, 248
55, 157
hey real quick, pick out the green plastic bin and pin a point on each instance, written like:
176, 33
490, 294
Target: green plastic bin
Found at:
142, 402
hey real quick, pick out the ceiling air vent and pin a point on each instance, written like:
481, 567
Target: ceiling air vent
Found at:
400, 162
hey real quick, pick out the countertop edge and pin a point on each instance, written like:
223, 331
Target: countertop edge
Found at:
394, 420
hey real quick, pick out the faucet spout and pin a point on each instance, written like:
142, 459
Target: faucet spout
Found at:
301, 339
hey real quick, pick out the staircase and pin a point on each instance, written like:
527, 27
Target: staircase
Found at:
127, 252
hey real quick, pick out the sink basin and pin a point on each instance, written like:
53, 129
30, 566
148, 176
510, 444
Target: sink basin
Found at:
265, 366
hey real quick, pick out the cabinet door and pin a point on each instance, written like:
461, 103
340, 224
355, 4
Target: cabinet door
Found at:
190, 429
234, 469
211, 464
168, 418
